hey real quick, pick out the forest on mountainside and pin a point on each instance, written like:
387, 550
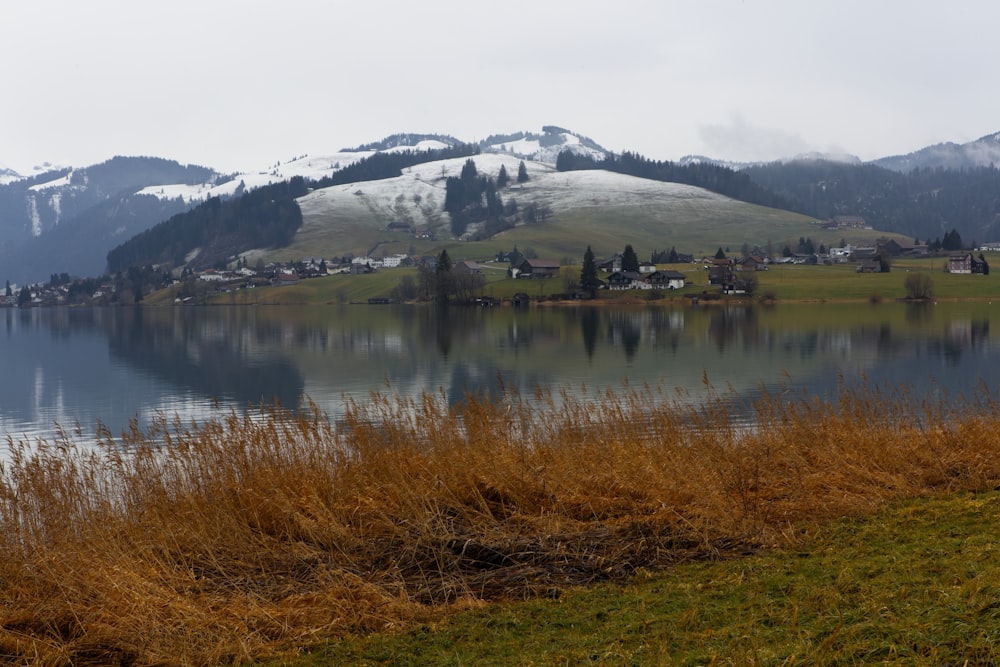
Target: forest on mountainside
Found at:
923, 203
266, 217
390, 165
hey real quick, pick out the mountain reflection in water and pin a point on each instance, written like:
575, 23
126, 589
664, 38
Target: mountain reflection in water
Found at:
69, 366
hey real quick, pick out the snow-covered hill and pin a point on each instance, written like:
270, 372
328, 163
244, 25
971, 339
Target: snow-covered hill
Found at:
416, 198
543, 148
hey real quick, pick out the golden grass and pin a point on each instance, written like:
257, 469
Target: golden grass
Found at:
257, 535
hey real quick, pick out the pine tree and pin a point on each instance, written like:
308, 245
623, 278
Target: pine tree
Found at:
630, 260
442, 277
719, 254
502, 177
7, 291
589, 281
522, 172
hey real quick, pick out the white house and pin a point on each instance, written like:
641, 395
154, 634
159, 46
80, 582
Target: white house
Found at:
393, 261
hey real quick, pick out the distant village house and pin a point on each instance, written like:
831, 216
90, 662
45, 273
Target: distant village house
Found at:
536, 268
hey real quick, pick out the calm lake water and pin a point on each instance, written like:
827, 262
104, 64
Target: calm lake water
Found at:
74, 367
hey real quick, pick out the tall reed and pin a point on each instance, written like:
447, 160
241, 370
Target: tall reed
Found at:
249, 535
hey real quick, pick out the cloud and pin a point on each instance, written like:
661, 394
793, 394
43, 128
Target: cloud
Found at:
743, 142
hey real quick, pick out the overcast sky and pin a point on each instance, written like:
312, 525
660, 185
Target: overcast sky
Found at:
239, 85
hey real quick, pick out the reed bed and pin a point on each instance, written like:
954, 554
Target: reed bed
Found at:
256, 535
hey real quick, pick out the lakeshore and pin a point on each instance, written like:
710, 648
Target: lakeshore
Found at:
250, 539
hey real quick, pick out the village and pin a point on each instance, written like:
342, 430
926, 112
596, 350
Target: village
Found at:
726, 275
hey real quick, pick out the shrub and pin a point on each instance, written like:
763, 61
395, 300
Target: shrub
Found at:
918, 285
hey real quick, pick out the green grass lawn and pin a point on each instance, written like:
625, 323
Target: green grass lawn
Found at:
842, 281
918, 583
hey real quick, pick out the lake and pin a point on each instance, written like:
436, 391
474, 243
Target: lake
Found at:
81, 367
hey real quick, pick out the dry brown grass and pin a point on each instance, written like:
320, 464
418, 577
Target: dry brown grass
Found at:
253, 535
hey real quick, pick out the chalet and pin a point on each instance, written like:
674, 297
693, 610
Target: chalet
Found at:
622, 280
666, 280
647, 267
469, 267
536, 268
966, 263
869, 265
897, 247
286, 278
753, 263
611, 265
358, 269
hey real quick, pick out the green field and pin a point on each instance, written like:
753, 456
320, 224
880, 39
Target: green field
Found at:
915, 584
785, 282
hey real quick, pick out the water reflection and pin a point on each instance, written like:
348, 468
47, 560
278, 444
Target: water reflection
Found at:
85, 365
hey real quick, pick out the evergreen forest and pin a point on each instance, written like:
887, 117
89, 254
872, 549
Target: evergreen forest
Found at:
924, 203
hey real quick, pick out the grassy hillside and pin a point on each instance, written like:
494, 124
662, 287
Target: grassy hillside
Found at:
598, 208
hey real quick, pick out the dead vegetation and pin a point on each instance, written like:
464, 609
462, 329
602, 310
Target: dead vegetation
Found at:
254, 535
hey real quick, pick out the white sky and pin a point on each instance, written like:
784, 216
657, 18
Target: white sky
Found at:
239, 85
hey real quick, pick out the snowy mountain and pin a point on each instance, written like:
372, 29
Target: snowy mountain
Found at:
541, 147
8, 175
67, 219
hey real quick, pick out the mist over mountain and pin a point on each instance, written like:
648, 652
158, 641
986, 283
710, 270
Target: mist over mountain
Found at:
983, 152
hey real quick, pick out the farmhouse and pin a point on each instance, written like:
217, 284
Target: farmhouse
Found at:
470, 267
622, 280
869, 265
536, 268
966, 263
614, 263
753, 263
666, 279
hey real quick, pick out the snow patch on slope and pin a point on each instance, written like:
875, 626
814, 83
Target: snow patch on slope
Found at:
55, 183
309, 167
417, 197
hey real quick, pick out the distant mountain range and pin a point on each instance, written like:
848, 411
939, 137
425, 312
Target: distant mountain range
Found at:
67, 219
